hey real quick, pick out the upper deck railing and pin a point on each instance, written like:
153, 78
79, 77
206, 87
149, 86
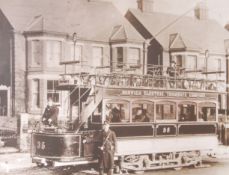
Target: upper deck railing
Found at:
157, 77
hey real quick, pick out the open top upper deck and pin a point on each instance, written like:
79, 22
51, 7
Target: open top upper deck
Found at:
158, 77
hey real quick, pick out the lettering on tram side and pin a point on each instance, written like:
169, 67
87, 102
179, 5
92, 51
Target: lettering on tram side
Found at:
160, 93
41, 145
165, 130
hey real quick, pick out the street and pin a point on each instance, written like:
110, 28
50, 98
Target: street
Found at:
214, 169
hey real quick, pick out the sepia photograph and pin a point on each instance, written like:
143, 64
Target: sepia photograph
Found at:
114, 87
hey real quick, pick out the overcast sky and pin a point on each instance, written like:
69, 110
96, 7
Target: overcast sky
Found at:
218, 9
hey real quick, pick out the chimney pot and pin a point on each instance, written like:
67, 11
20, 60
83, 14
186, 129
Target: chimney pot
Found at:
201, 11
146, 5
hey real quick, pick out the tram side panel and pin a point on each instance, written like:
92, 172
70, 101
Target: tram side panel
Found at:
67, 147
147, 139
82, 148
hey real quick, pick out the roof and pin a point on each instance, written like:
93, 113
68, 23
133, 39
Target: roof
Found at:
203, 34
91, 20
178, 42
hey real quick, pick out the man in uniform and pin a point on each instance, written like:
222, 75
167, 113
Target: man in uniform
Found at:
50, 115
107, 150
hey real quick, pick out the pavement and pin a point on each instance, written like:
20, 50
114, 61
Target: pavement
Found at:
12, 160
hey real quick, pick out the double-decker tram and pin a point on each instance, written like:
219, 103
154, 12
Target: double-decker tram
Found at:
160, 121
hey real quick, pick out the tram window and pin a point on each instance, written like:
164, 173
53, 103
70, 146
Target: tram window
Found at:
207, 112
142, 111
117, 112
166, 111
97, 114
187, 112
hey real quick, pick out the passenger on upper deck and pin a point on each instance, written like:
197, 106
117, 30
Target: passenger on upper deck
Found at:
50, 115
172, 69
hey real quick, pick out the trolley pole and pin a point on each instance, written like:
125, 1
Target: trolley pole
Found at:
74, 39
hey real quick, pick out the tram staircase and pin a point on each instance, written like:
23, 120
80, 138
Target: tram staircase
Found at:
91, 103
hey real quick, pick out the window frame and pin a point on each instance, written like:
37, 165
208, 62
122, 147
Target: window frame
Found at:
175, 59
37, 93
130, 60
36, 53
165, 102
91, 120
117, 101
187, 102
100, 59
73, 48
141, 102
53, 91
195, 60
51, 52
120, 64
204, 104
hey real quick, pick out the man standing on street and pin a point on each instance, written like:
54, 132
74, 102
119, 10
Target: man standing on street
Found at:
107, 150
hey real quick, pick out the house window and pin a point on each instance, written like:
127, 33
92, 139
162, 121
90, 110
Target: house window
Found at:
51, 91
178, 59
54, 52
134, 56
36, 93
36, 52
97, 56
119, 57
191, 62
76, 54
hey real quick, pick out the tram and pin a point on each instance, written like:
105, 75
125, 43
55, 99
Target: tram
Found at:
160, 121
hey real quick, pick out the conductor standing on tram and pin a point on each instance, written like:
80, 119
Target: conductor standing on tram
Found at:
107, 150
50, 115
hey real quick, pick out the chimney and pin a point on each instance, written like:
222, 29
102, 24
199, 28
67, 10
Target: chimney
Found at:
227, 26
201, 11
145, 5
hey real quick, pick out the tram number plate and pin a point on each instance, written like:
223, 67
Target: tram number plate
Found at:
40, 145
166, 130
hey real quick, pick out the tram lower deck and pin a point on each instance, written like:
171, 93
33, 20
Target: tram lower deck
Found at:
155, 129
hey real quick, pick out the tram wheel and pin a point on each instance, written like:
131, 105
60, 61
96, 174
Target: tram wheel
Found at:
40, 165
132, 158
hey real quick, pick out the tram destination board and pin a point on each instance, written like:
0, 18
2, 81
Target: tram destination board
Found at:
160, 93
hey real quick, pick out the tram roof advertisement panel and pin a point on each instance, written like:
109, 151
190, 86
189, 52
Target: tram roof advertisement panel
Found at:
158, 93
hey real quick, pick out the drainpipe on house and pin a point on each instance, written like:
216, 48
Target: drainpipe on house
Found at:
227, 82
12, 75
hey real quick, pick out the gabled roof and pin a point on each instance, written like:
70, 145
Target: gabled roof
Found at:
177, 42
119, 33
202, 34
91, 20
